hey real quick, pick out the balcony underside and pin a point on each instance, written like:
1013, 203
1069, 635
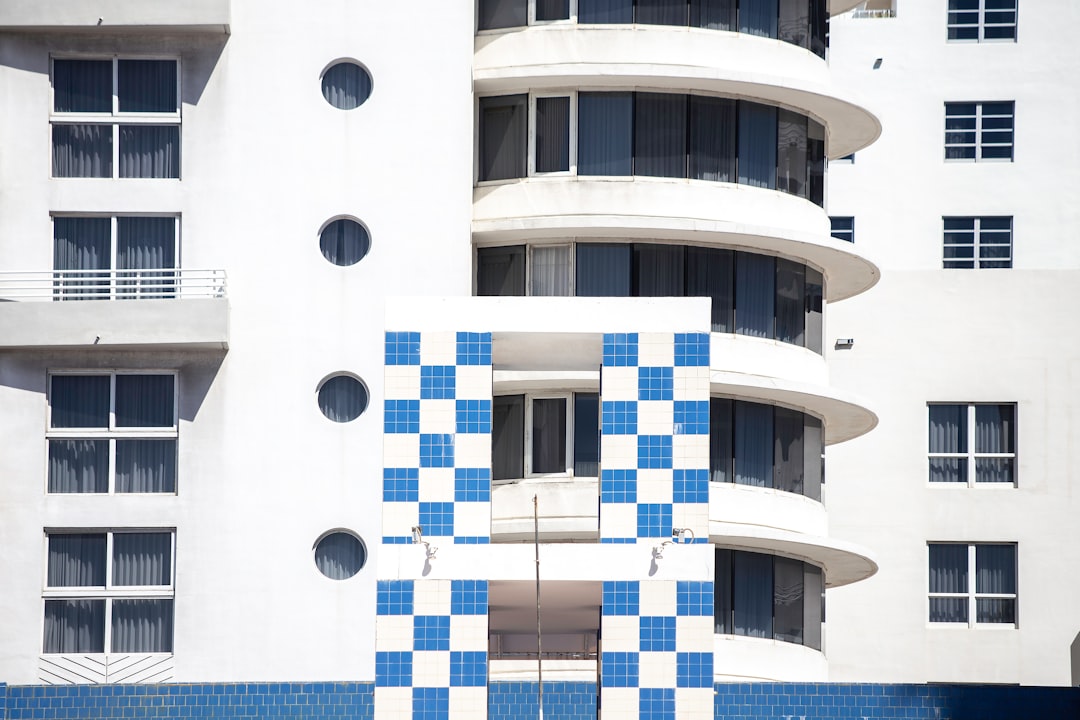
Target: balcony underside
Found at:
183, 324
202, 16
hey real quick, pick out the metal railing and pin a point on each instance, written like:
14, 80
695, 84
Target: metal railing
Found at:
163, 284
864, 13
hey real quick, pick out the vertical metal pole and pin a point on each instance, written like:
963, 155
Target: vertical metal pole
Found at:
539, 647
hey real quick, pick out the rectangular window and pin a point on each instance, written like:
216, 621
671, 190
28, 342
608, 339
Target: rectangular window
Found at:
843, 228
660, 134
551, 271
977, 242
503, 137
979, 130
982, 20
606, 11
117, 117
120, 258
547, 10
109, 592
112, 433
500, 271
603, 270
954, 599
972, 443
712, 149
605, 137
495, 14
552, 134
545, 435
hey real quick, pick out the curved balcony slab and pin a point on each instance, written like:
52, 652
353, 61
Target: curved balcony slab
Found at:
204, 16
843, 414
747, 659
675, 59
842, 6
690, 211
843, 562
731, 504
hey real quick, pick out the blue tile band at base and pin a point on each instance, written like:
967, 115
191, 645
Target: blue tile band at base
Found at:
562, 701
518, 701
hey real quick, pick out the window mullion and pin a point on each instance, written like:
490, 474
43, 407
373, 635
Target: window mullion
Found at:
971, 445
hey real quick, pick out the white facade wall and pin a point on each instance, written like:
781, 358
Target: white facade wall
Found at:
925, 334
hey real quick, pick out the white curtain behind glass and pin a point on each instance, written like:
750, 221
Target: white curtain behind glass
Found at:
551, 270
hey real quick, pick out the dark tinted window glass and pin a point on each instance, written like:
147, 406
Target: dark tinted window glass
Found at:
813, 606
74, 626
149, 151
659, 270
82, 86
722, 592
819, 26
721, 439
508, 437
713, 14
757, 145
758, 17
791, 153
755, 294
661, 12
552, 9
80, 401
605, 140
788, 593
815, 300
500, 271
788, 454
82, 151
790, 301
502, 137
710, 272
752, 585
813, 451
146, 85
144, 400
794, 22
660, 134
502, 13
712, 139
552, 134
549, 435
754, 444
603, 270
586, 434
605, 11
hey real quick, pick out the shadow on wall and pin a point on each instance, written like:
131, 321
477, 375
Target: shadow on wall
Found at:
199, 53
1074, 655
197, 370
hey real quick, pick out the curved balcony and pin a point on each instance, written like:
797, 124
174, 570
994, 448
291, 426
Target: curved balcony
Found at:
733, 504
714, 214
747, 659
620, 57
568, 510
843, 562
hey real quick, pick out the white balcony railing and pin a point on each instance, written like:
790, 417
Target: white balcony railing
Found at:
868, 13
165, 284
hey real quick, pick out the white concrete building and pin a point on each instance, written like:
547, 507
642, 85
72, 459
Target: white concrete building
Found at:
303, 312
963, 203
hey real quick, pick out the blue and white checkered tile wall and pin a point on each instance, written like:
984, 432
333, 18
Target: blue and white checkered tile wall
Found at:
657, 662
655, 428
437, 437
431, 635
431, 649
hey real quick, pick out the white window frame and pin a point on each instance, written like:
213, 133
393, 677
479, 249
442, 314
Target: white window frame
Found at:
112, 433
978, 145
530, 160
971, 595
109, 592
977, 243
568, 459
129, 287
115, 118
982, 25
971, 456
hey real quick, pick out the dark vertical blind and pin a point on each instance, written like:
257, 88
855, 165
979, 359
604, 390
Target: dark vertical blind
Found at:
503, 137
552, 134
605, 140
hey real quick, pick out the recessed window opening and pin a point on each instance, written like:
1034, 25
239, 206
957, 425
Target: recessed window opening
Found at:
843, 228
979, 131
112, 433
115, 258
109, 592
541, 435
800, 22
346, 85
977, 242
344, 242
765, 446
989, 600
116, 117
652, 134
982, 20
757, 295
342, 398
340, 554
769, 597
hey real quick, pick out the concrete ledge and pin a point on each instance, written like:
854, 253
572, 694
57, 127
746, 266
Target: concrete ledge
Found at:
161, 324
206, 16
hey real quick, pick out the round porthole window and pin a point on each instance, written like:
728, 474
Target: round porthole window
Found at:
342, 398
344, 242
346, 85
339, 555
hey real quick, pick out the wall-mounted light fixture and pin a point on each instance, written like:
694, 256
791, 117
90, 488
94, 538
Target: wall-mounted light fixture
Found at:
844, 343
679, 536
418, 539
